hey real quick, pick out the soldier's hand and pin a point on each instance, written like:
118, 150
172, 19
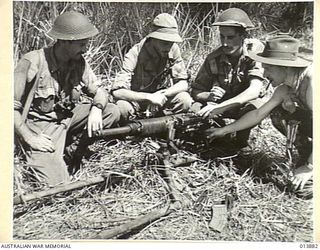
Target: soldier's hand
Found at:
94, 125
41, 142
213, 133
216, 93
205, 111
158, 99
181, 103
177, 104
301, 176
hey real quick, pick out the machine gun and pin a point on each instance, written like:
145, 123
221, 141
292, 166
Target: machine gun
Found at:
187, 126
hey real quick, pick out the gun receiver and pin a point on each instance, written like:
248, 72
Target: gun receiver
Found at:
183, 123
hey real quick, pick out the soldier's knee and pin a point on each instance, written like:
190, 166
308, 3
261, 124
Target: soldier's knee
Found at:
125, 108
196, 107
185, 99
50, 167
112, 112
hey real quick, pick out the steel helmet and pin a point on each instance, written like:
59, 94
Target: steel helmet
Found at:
234, 17
72, 26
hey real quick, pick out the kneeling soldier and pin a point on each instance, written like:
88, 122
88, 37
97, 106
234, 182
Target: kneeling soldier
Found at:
47, 97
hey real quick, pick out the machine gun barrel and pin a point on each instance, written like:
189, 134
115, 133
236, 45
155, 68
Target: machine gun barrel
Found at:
150, 126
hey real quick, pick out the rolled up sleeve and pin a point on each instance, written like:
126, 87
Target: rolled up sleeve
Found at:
90, 80
20, 80
124, 76
94, 87
256, 70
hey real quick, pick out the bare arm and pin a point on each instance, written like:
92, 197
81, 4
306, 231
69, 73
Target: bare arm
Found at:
304, 173
253, 117
179, 87
95, 115
200, 96
252, 92
157, 98
130, 95
101, 96
20, 79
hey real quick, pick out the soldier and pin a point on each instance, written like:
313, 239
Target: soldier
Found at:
47, 97
142, 85
229, 82
289, 106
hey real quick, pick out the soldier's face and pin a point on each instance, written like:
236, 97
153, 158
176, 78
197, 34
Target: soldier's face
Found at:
231, 39
276, 74
161, 47
74, 49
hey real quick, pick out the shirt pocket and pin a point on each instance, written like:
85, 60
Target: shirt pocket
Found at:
47, 86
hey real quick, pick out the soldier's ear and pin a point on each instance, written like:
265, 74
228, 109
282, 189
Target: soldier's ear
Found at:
243, 35
242, 32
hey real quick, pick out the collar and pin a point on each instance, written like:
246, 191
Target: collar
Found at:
224, 58
152, 53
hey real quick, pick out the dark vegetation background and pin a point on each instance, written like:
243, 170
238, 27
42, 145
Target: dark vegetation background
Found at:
124, 24
264, 211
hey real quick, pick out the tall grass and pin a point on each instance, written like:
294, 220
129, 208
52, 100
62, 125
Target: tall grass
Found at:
122, 25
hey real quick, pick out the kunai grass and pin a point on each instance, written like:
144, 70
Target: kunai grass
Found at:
264, 209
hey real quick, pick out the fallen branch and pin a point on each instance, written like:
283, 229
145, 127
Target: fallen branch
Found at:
176, 198
177, 161
126, 228
59, 189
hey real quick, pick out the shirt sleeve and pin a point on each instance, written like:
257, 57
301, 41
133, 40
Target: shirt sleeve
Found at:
90, 80
24, 72
124, 76
20, 76
179, 71
256, 70
205, 76
92, 84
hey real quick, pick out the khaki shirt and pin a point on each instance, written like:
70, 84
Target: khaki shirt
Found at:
142, 68
53, 82
218, 71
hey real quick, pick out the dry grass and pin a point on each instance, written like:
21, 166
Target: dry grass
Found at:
264, 211
261, 212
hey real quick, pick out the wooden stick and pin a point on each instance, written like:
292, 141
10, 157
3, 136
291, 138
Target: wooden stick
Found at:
67, 187
135, 224
176, 198
63, 188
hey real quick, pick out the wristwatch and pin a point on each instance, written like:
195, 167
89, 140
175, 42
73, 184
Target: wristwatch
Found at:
212, 97
98, 105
